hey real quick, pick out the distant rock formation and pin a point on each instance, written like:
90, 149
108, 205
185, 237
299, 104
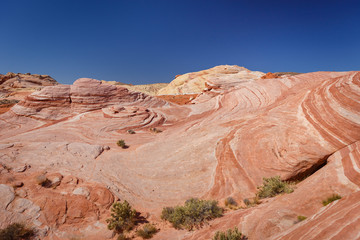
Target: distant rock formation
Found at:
270, 75
150, 89
192, 83
56, 102
27, 80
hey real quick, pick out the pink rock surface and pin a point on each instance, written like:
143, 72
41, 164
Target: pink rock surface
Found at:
222, 145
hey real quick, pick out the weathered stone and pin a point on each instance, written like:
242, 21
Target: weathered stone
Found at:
81, 191
7, 195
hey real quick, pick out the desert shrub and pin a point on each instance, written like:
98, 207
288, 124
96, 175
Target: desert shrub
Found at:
155, 130
247, 202
122, 237
130, 131
229, 235
194, 213
301, 218
230, 202
43, 180
329, 200
273, 186
17, 231
147, 231
123, 218
121, 143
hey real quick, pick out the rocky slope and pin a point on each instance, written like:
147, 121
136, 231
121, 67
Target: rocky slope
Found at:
304, 127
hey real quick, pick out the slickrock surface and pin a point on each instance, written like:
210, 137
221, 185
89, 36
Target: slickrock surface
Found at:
241, 129
197, 82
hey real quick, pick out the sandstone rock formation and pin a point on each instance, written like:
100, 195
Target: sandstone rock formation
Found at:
27, 80
191, 83
16, 86
270, 75
304, 127
149, 89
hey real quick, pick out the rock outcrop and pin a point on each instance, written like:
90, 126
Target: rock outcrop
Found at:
192, 83
149, 89
57, 102
270, 75
27, 80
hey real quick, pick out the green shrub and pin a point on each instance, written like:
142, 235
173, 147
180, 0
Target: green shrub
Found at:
130, 131
147, 231
230, 202
273, 186
194, 213
17, 231
123, 218
329, 200
229, 235
121, 143
301, 218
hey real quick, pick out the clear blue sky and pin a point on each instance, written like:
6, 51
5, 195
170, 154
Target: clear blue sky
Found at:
148, 41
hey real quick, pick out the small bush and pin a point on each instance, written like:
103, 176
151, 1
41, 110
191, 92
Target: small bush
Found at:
230, 202
121, 143
247, 202
17, 231
273, 186
147, 231
122, 237
194, 213
229, 235
130, 131
301, 218
155, 130
329, 200
123, 218
43, 181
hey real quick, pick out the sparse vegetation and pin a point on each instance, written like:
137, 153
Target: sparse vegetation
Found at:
147, 231
230, 234
301, 218
123, 217
43, 181
230, 203
194, 213
329, 200
254, 201
122, 237
130, 131
121, 143
273, 186
247, 202
17, 231
155, 130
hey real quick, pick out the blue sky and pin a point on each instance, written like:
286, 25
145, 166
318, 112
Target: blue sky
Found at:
143, 41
